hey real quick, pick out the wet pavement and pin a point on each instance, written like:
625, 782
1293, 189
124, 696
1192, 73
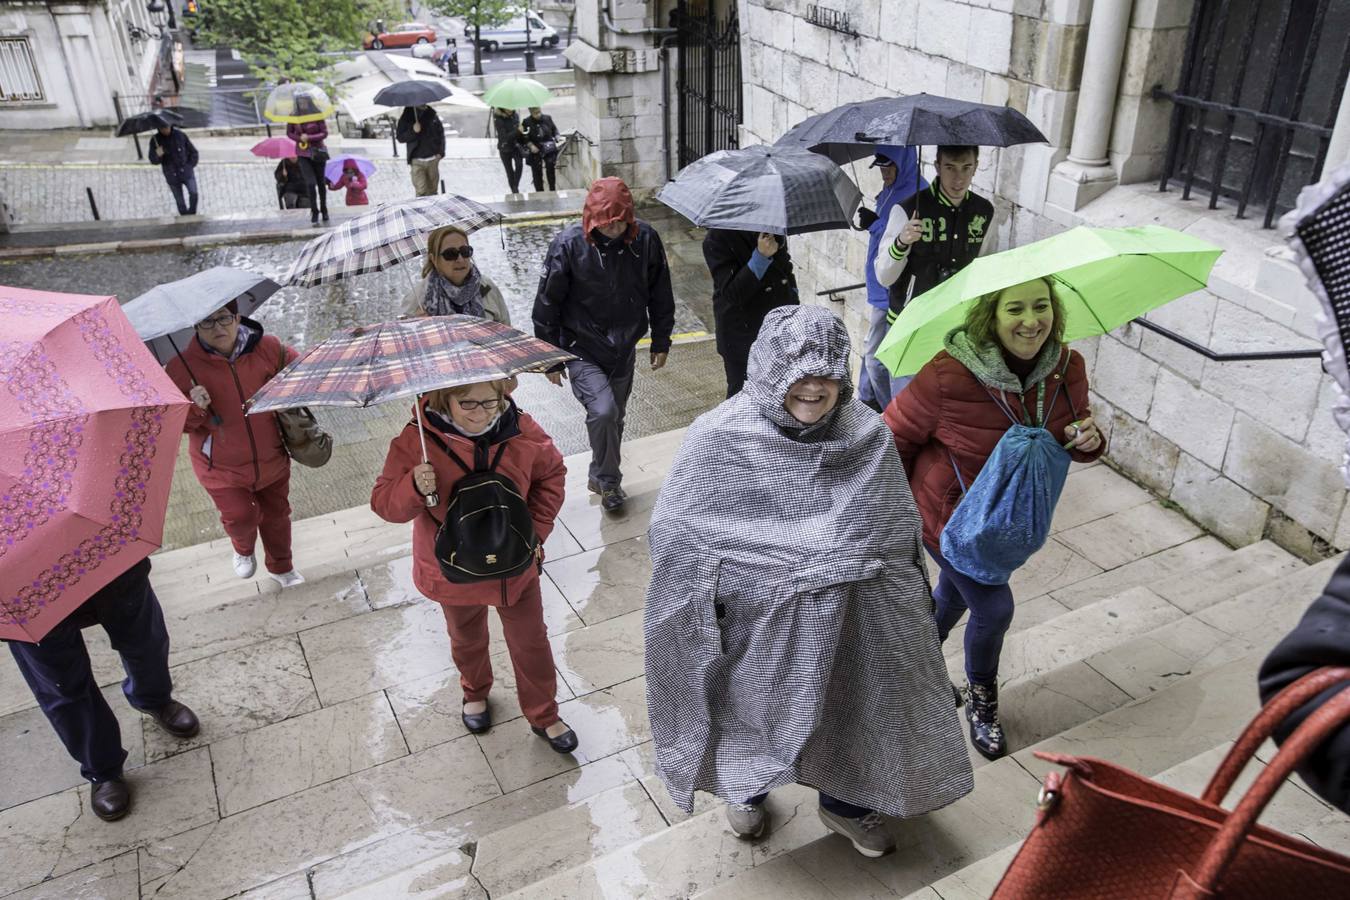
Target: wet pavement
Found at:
512, 255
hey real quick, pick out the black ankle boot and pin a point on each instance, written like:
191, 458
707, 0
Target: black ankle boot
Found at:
986, 732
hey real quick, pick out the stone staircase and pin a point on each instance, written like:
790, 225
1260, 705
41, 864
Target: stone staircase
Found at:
332, 762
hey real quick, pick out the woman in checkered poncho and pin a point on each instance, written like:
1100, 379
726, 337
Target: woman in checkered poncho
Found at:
789, 624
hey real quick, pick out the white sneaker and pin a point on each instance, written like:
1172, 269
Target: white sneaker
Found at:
288, 579
245, 566
746, 819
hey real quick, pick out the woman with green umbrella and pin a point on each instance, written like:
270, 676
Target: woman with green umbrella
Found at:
1007, 362
506, 124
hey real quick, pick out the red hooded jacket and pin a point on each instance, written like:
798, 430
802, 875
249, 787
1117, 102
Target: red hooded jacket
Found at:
530, 460
245, 451
947, 413
609, 200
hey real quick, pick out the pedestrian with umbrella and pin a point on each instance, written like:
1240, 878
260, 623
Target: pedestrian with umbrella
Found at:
750, 200
505, 97
539, 137
483, 497
605, 281
506, 124
177, 158
350, 172
81, 516
420, 128
304, 107
988, 426
240, 459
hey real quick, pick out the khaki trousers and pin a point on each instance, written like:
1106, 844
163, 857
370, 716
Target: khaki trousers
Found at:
426, 176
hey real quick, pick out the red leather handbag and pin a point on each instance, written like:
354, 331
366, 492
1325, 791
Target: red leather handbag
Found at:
1105, 833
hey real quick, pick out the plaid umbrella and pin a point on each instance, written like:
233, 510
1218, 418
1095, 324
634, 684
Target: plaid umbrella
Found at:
1318, 230
371, 364
778, 190
383, 237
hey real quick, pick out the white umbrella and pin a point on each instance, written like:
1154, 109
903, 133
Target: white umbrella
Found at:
165, 316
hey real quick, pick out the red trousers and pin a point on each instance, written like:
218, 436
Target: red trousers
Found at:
247, 513
527, 641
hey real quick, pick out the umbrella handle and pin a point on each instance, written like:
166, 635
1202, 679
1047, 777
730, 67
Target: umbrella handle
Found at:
433, 499
215, 417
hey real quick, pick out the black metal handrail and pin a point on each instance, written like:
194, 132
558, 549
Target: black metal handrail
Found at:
1207, 353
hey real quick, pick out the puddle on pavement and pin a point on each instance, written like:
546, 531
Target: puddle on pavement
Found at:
304, 316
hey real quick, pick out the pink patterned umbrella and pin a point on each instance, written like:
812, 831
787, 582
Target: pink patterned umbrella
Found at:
89, 431
275, 148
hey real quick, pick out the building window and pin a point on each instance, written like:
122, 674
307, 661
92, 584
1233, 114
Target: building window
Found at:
19, 81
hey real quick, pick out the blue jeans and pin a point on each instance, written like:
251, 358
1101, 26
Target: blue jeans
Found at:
177, 182
58, 672
991, 613
874, 382
830, 804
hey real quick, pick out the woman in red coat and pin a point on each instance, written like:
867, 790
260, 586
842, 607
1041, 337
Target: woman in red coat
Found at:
1011, 348
240, 459
474, 421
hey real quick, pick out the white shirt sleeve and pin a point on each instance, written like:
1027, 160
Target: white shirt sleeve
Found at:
886, 266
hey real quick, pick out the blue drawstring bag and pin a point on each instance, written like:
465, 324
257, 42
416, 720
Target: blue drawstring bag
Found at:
1005, 515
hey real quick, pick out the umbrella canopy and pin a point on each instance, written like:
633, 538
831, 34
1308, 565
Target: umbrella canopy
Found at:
332, 169
517, 93
1318, 230
414, 92
279, 147
153, 120
851, 132
383, 237
298, 101
779, 190
1104, 277
89, 431
371, 364
165, 315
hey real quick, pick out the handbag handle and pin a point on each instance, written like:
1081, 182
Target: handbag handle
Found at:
1222, 849
1281, 706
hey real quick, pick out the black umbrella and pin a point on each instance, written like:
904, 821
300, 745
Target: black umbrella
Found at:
415, 92
153, 120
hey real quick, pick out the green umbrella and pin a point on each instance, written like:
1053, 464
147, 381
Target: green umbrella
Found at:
1105, 277
517, 93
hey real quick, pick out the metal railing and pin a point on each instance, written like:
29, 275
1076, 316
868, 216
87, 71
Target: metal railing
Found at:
834, 295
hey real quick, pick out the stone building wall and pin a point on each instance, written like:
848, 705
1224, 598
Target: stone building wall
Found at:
1248, 449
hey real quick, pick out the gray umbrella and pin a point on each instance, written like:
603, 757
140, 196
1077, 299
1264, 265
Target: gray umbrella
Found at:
773, 189
165, 315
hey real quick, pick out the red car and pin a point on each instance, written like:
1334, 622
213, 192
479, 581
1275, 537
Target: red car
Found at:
404, 35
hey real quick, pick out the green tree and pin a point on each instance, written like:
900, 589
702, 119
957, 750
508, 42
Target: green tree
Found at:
287, 38
477, 15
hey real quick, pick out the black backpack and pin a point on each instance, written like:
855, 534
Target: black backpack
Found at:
488, 532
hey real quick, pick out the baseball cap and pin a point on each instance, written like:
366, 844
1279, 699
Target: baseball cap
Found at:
881, 159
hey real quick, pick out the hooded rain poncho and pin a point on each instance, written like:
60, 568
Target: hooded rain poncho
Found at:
789, 624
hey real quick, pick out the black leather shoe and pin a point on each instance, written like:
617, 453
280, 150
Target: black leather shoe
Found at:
563, 743
477, 723
110, 800
176, 719
613, 499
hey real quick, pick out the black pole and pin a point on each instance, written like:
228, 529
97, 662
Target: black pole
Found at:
136, 139
393, 138
529, 51
93, 207
477, 43
571, 21
442, 185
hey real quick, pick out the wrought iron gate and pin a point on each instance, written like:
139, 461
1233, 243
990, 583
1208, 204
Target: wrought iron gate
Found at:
1260, 87
709, 80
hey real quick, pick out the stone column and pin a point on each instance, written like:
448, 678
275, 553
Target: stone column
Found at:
1087, 173
1338, 150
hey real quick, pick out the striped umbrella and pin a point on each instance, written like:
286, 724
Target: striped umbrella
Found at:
391, 234
370, 364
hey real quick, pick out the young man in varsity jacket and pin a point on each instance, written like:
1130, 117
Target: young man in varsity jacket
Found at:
934, 234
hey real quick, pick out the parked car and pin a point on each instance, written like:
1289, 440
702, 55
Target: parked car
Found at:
512, 34
406, 35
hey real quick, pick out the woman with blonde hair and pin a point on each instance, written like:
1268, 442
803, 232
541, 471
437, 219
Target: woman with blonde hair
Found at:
472, 430
452, 284
1007, 365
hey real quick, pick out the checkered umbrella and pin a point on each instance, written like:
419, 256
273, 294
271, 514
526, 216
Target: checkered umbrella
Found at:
773, 189
383, 237
1318, 230
371, 364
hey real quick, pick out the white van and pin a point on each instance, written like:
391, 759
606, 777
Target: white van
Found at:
512, 34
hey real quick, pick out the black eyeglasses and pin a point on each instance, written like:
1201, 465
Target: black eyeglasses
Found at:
223, 321
470, 405
450, 254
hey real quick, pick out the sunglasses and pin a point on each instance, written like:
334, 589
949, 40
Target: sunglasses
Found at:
470, 405
450, 254
224, 321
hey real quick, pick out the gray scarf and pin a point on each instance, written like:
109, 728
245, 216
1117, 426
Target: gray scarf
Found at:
987, 364
445, 299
